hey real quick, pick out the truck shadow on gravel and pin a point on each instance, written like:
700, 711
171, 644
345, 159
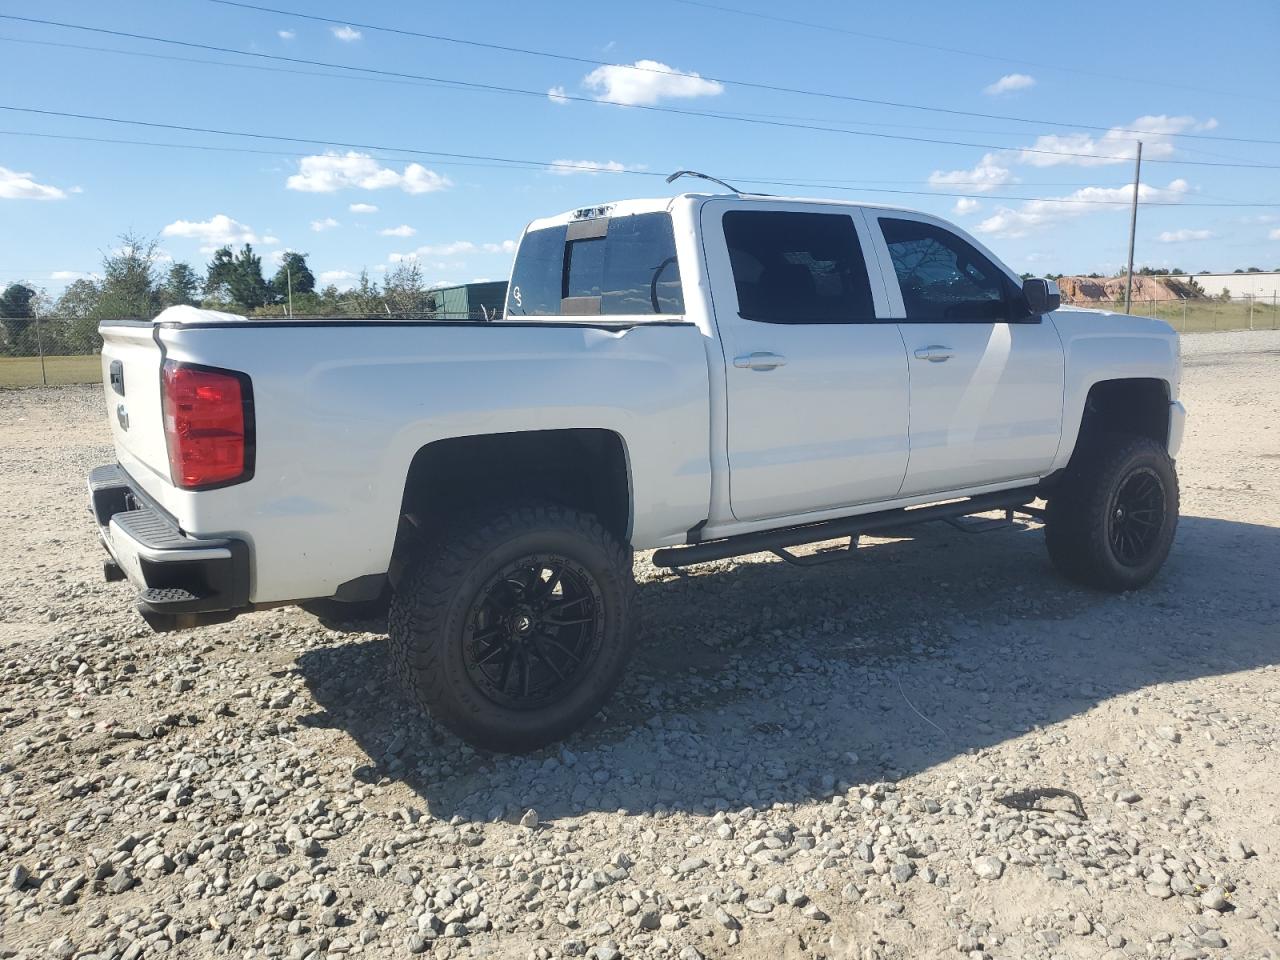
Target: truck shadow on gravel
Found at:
757, 682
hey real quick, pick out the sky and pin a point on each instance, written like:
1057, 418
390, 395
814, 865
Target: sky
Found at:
408, 155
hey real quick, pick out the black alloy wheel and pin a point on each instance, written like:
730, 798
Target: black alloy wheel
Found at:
1111, 520
534, 631
1137, 517
513, 624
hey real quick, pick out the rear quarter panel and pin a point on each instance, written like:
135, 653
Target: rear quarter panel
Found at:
342, 409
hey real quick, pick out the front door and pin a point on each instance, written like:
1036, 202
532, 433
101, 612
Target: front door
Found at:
816, 374
986, 378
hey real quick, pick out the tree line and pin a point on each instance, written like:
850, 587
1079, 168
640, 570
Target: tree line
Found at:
137, 282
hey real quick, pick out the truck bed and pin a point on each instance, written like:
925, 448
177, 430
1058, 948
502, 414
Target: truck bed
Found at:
341, 407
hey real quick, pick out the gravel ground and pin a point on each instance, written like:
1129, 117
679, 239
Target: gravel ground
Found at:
800, 762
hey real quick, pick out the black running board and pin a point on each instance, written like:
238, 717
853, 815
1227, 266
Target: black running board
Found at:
774, 540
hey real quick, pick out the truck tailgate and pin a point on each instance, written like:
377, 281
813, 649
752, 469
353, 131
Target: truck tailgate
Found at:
131, 361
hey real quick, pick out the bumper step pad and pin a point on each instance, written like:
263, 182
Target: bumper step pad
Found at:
186, 580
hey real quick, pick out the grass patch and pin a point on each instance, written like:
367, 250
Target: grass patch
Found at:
25, 371
1202, 316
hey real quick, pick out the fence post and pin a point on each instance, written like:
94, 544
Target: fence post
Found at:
1250, 311
44, 377
1184, 314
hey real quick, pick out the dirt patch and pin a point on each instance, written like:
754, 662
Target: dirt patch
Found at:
800, 763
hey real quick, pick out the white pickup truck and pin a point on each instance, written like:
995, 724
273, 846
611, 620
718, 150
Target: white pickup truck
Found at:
710, 375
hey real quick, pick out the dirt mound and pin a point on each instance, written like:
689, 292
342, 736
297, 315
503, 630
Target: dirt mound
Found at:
1079, 289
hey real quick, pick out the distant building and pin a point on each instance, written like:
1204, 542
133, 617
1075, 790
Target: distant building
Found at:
1261, 285
470, 301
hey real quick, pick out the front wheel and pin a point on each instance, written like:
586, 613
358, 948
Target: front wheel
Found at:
514, 627
1111, 522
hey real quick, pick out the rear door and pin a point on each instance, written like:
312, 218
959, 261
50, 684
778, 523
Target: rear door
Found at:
986, 378
816, 376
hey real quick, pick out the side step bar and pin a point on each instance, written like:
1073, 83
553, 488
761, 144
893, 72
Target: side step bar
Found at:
771, 540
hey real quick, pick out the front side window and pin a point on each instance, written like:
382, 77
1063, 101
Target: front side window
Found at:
797, 267
943, 277
627, 268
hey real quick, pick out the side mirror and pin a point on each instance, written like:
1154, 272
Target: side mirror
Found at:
1042, 296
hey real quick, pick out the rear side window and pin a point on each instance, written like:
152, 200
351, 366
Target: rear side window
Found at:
640, 270
627, 268
942, 276
538, 275
798, 267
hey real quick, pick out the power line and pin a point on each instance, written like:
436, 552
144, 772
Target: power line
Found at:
497, 88
173, 58
831, 28
750, 84
833, 183
519, 163
399, 82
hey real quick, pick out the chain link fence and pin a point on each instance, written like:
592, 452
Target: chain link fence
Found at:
1201, 314
49, 350
64, 350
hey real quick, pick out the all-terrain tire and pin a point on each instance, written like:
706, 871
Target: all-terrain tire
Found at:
434, 610
1090, 537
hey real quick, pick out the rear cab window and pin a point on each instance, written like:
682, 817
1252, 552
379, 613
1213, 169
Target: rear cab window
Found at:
798, 268
608, 266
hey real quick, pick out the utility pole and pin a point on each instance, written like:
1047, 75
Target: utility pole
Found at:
1133, 227
288, 279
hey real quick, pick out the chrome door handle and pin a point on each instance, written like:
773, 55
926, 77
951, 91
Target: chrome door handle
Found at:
935, 353
759, 361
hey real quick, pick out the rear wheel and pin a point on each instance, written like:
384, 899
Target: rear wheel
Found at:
1111, 522
514, 627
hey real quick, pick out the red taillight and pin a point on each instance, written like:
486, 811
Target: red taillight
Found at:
208, 425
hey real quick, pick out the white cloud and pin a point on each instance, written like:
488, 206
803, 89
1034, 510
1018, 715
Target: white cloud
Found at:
557, 95
1033, 214
270, 240
1184, 235
157, 256
346, 34
218, 231
327, 172
452, 249
986, 175
965, 205
286, 34
404, 230
335, 276
362, 208
67, 275
447, 249
1009, 83
319, 226
1114, 146
1274, 234
20, 186
646, 82
566, 168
